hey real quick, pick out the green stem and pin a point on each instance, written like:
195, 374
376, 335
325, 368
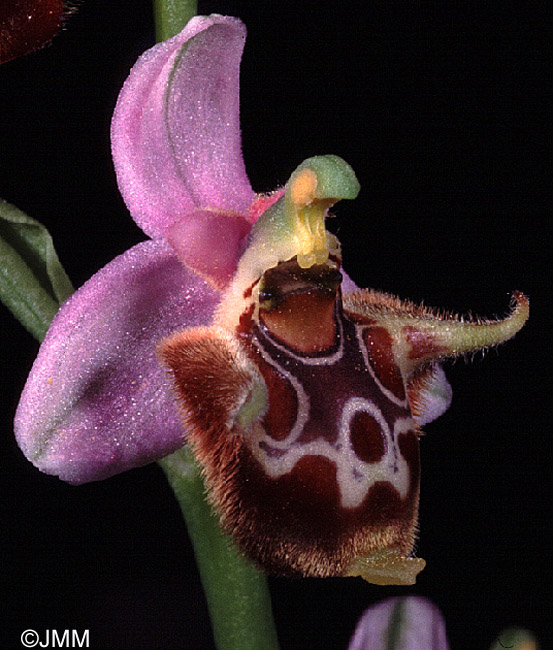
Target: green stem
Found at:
237, 594
171, 16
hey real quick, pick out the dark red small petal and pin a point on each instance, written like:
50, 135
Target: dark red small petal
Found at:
28, 25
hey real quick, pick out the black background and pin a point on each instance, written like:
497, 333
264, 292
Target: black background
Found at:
442, 110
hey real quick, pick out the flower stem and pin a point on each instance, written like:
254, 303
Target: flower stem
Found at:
171, 16
237, 594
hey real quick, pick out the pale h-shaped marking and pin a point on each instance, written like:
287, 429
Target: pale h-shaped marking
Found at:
332, 438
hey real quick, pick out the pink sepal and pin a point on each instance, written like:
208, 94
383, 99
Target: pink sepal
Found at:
97, 401
176, 128
417, 625
434, 397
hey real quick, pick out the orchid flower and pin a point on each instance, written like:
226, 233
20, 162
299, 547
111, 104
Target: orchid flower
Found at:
410, 623
235, 330
414, 623
28, 25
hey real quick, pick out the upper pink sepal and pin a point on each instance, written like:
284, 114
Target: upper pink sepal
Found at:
414, 623
176, 128
97, 401
210, 243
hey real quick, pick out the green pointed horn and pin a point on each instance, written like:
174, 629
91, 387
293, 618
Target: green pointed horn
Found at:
431, 337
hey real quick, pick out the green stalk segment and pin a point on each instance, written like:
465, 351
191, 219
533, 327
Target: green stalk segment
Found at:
237, 594
171, 16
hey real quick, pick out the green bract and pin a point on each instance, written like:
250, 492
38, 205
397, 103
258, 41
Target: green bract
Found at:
33, 283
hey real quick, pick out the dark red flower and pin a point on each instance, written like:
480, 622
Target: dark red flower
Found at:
28, 25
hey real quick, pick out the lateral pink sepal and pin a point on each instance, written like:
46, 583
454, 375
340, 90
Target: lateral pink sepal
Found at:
97, 401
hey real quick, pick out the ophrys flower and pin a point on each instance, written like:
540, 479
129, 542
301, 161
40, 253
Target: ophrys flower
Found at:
302, 396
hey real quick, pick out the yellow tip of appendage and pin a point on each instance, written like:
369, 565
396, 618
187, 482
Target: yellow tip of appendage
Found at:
303, 188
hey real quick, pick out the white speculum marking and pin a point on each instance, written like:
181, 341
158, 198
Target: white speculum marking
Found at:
354, 476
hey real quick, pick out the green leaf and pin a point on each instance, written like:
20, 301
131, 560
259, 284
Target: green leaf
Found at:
33, 283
